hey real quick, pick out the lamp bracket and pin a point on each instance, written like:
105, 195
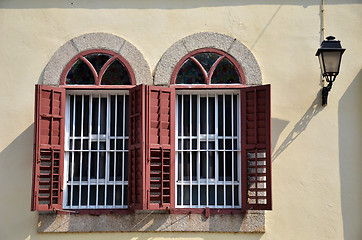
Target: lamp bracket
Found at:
329, 78
325, 92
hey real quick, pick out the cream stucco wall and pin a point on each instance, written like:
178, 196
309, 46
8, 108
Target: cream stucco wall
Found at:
317, 151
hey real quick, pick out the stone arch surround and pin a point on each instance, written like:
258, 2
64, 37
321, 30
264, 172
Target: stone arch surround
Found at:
54, 68
232, 46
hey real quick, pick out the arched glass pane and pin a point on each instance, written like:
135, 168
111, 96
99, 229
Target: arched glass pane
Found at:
207, 59
116, 74
80, 73
224, 73
190, 73
98, 60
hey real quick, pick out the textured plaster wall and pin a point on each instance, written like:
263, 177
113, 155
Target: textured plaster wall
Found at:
316, 151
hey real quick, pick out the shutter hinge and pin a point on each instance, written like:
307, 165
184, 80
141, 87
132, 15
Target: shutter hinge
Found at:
38, 157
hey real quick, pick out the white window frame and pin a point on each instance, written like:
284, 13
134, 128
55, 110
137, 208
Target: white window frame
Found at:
99, 137
215, 137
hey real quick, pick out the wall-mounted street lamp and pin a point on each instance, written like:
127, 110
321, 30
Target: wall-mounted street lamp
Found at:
330, 55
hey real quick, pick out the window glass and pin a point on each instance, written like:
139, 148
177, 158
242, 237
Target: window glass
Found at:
208, 68
207, 154
116, 74
96, 151
225, 73
80, 73
88, 69
190, 73
207, 59
98, 60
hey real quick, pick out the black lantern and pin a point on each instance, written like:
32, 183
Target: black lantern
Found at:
330, 55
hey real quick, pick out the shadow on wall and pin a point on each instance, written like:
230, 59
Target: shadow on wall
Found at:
160, 4
16, 164
300, 126
278, 125
350, 158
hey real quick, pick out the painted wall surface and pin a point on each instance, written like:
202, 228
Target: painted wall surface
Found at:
317, 151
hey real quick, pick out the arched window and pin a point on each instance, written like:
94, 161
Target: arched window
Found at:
98, 68
208, 66
96, 131
83, 134
222, 140
208, 131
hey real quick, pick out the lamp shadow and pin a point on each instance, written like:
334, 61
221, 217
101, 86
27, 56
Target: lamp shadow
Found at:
300, 126
350, 160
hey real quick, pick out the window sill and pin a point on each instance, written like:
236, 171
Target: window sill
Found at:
250, 222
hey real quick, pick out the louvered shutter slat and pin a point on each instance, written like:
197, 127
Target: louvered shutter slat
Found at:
151, 148
256, 148
136, 183
160, 147
48, 148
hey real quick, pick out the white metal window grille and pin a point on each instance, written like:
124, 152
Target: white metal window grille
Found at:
208, 157
96, 150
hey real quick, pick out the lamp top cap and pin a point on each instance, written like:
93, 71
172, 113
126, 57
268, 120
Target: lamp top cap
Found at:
330, 44
329, 38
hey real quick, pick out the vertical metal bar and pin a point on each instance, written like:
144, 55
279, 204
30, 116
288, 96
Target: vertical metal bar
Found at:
98, 133
190, 139
124, 139
224, 160
115, 150
198, 149
177, 150
232, 149
216, 145
66, 152
72, 173
107, 163
239, 144
182, 150
89, 145
207, 149
81, 153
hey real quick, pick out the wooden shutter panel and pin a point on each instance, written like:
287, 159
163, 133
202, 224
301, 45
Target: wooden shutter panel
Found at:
137, 128
151, 150
256, 148
160, 147
48, 148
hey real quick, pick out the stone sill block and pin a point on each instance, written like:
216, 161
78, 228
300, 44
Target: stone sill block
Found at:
251, 222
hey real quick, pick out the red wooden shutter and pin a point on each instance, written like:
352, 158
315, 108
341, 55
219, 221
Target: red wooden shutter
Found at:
256, 148
160, 147
137, 128
48, 148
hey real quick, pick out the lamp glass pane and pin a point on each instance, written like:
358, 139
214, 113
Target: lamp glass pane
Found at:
331, 62
320, 57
